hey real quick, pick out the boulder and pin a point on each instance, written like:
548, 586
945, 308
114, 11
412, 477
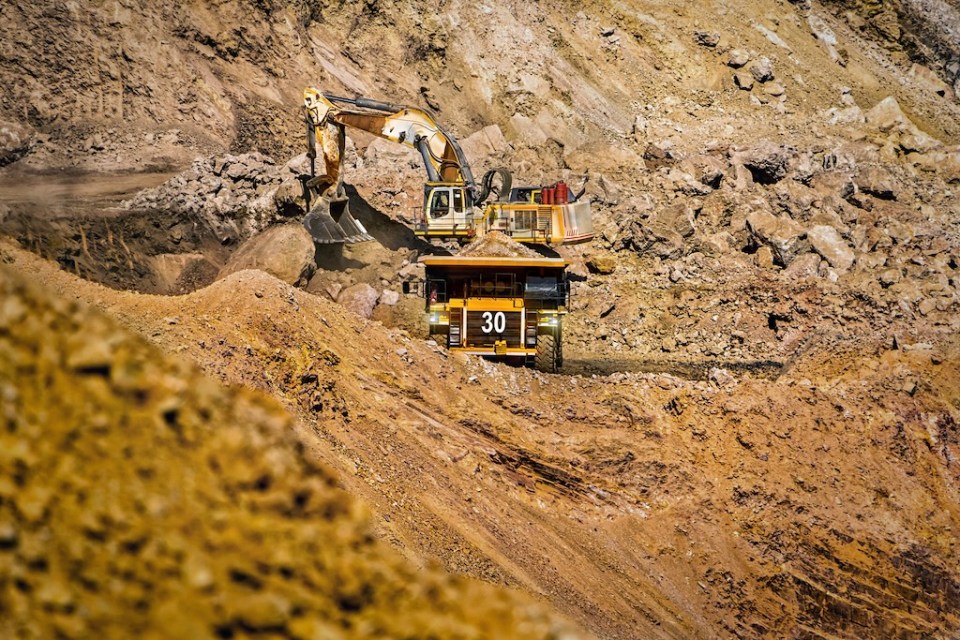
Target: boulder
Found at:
774, 89
360, 298
804, 266
389, 297
743, 80
707, 38
15, 141
784, 236
876, 182
288, 198
767, 161
764, 257
762, 69
828, 242
716, 243
738, 58
889, 118
654, 239
285, 251
602, 264
928, 79
677, 217
659, 154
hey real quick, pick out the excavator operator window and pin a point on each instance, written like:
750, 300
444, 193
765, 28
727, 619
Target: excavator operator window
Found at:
440, 203
458, 200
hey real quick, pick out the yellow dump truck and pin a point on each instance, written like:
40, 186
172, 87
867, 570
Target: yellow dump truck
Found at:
503, 307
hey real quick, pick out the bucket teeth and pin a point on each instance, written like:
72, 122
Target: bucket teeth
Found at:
354, 231
328, 228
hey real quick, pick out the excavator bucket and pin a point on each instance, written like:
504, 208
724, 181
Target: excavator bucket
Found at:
329, 221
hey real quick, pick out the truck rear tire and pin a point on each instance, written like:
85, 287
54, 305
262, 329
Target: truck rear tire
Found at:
546, 358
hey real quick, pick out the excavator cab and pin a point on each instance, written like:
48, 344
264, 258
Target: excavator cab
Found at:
447, 211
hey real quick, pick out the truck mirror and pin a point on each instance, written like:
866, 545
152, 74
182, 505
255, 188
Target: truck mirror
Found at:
405, 287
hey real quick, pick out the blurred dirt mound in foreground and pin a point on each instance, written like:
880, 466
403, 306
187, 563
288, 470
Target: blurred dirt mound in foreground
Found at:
139, 498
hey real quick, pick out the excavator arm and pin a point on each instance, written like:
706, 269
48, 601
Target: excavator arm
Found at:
443, 158
450, 192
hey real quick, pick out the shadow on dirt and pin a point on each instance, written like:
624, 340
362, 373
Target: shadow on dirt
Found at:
689, 370
391, 234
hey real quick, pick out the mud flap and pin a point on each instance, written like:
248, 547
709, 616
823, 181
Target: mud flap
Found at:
330, 222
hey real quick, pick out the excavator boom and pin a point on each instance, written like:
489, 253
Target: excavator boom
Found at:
442, 156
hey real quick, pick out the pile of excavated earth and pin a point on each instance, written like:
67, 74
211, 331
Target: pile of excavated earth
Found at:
139, 497
756, 430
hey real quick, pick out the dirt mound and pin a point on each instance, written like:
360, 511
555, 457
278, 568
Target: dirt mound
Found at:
639, 504
497, 244
138, 497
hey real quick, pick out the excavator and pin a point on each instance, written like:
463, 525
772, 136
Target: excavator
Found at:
455, 206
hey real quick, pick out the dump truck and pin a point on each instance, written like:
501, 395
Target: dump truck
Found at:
500, 307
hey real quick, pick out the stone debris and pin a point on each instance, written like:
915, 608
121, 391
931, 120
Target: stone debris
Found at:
707, 38
16, 139
234, 196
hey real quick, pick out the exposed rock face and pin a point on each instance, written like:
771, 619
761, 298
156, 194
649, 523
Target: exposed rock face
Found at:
284, 251
928, 31
488, 142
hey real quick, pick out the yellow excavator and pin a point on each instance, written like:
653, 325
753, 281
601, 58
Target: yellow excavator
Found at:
454, 205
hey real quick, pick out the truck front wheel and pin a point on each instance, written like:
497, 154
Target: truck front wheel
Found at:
547, 359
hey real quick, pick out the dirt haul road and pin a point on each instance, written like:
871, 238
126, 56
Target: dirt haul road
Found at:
642, 505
